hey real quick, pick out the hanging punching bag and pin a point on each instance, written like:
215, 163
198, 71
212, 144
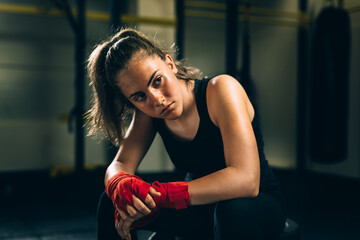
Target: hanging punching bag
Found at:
329, 86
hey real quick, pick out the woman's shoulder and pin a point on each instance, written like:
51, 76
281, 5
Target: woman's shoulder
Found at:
216, 83
224, 93
224, 85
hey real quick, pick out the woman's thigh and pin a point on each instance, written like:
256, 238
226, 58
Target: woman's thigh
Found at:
180, 223
249, 218
106, 220
195, 222
244, 218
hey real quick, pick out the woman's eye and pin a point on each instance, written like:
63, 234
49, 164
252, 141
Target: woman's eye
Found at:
157, 81
140, 97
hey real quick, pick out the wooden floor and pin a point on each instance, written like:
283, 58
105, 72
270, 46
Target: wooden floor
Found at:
34, 207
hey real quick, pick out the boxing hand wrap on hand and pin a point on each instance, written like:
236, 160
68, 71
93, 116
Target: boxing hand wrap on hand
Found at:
122, 186
173, 195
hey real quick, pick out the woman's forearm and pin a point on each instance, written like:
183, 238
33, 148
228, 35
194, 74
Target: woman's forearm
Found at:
114, 168
225, 184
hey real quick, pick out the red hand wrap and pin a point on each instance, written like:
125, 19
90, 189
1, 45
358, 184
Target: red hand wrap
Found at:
173, 195
122, 186
120, 189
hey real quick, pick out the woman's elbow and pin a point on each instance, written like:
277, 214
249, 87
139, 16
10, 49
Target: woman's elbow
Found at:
254, 187
248, 190
254, 192
249, 184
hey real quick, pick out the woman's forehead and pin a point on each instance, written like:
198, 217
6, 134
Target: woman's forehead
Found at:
138, 72
142, 61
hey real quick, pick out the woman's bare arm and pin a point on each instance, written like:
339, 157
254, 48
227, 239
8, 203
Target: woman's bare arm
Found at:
230, 110
133, 147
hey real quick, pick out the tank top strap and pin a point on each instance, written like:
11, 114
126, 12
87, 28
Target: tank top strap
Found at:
200, 98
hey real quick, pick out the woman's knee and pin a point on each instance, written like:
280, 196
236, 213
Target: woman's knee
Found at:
105, 219
105, 208
238, 218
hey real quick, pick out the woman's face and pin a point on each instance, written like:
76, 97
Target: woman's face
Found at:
151, 85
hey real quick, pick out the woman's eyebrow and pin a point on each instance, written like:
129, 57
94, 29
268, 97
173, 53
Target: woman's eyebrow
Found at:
149, 82
152, 76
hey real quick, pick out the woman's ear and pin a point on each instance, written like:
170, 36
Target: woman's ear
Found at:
170, 62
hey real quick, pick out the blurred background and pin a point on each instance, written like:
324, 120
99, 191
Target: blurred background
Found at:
298, 60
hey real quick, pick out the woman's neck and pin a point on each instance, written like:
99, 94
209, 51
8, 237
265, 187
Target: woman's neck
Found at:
188, 99
186, 125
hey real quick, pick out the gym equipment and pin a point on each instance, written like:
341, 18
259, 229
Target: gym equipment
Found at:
330, 86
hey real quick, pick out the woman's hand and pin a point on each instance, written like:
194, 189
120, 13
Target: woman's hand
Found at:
122, 186
123, 225
134, 213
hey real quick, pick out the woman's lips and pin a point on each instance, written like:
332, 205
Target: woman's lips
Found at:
166, 109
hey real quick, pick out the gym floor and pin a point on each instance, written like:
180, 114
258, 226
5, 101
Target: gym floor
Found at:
34, 206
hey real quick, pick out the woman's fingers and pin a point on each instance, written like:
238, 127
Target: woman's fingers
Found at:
126, 229
133, 213
123, 225
140, 206
118, 227
145, 207
149, 200
154, 193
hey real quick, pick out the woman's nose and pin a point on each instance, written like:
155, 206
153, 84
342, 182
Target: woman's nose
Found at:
157, 97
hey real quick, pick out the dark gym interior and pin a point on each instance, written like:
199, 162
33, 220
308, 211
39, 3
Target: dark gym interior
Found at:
299, 58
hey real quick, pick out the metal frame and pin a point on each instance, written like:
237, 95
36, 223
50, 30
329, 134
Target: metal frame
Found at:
78, 25
231, 38
302, 77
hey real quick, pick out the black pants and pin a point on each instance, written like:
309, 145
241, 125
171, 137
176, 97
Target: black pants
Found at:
262, 217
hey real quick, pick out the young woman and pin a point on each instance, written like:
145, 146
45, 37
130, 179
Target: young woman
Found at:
209, 129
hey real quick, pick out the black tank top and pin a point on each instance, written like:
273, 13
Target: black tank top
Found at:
205, 154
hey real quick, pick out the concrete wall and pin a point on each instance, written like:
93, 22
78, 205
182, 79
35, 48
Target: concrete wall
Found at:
37, 90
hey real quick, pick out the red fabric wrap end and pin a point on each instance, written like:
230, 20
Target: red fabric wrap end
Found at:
173, 195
